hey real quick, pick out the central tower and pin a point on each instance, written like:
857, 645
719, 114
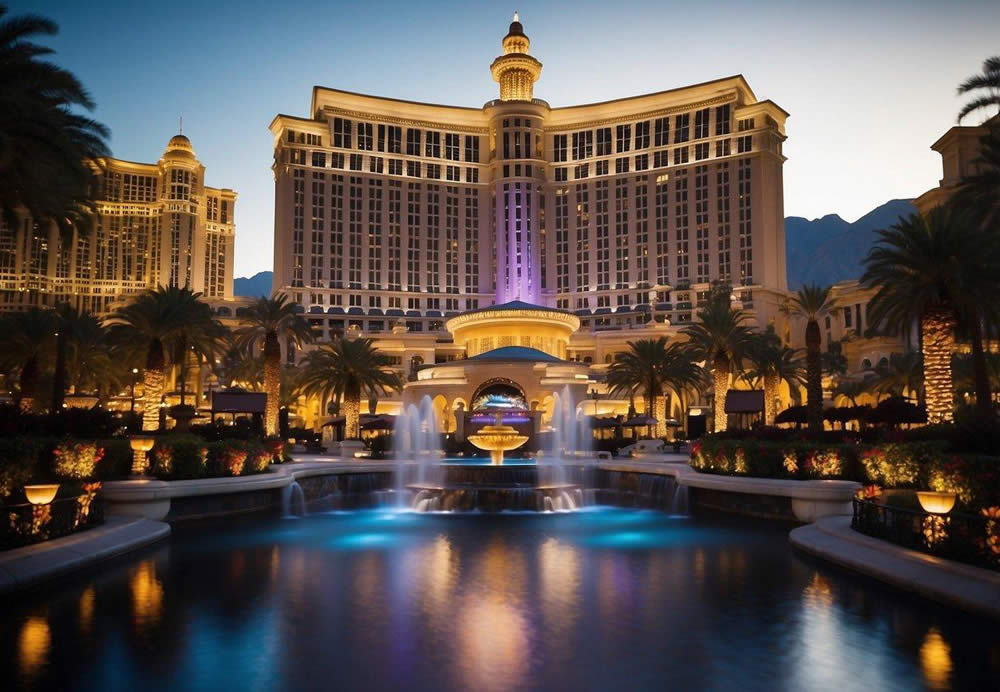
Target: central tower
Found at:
516, 126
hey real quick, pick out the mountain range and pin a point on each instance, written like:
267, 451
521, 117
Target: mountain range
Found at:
823, 251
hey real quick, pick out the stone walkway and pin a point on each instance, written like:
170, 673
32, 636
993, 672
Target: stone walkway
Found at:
35, 563
969, 588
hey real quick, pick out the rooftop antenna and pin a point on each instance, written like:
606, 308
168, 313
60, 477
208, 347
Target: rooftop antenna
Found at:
180, 124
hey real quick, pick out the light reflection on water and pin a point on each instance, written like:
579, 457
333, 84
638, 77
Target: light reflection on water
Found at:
600, 599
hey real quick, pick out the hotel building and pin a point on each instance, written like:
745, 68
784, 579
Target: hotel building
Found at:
392, 218
156, 224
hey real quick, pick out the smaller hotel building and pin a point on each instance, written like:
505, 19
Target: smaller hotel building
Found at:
156, 224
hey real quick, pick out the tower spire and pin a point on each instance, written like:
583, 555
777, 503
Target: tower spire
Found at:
516, 71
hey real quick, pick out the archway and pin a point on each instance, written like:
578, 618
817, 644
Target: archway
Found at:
499, 394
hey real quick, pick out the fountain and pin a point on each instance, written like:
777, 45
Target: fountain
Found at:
416, 444
497, 439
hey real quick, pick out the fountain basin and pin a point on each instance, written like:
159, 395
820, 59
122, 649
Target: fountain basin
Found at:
497, 498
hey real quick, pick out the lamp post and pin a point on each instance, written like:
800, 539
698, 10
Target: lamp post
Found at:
593, 395
135, 372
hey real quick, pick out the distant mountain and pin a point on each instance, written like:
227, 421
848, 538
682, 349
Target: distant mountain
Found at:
822, 251
257, 285
829, 249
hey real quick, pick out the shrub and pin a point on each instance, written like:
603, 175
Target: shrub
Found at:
278, 449
116, 463
768, 459
179, 457
258, 460
19, 463
76, 460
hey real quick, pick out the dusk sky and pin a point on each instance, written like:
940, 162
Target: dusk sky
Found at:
869, 85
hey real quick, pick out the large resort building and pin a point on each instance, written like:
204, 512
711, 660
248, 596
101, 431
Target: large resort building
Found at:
403, 221
156, 224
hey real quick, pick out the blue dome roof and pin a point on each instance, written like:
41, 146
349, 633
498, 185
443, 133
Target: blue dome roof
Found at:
516, 305
522, 353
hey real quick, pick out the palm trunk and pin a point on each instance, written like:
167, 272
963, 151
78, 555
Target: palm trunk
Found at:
59, 376
980, 373
661, 415
720, 375
272, 382
28, 382
770, 398
152, 387
814, 377
937, 331
352, 416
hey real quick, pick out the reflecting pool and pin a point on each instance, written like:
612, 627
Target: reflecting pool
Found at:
599, 599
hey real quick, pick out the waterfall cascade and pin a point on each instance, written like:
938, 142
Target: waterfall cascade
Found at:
416, 448
293, 501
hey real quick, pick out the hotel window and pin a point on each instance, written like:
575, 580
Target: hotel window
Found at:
472, 148
642, 134
342, 133
847, 317
661, 132
661, 217
380, 141
581, 171
472, 175
375, 164
623, 135
582, 238
723, 147
680, 156
682, 124
395, 143
621, 165
701, 123
453, 173
451, 146
559, 148
603, 239
432, 147
747, 124
313, 140
337, 160
356, 162
471, 240
744, 144
642, 162
583, 144
604, 141
291, 136
318, 159
722, 116
412, 142
621, 232
413, 169
395, 167
746, 230
701, 223
434, 171
365, 136
561, 174
661, 159
723, 220
681, 224
601, 168
701, 151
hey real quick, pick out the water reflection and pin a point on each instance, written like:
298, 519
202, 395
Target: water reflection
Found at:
33, 644
147, 593
935, 660
87, 608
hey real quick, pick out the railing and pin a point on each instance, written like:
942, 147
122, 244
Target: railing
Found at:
965, 538
25, 524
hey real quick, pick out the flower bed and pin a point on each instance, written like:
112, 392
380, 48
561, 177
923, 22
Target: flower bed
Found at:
183, 457
786, 460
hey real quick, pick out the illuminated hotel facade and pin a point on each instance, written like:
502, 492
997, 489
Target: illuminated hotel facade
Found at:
156, 224
393, 217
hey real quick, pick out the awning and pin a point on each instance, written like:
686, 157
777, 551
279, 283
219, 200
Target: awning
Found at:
745, 401
239, 402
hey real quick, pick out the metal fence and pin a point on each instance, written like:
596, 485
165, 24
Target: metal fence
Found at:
25, 524
968, 538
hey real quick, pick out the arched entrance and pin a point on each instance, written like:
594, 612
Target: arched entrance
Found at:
499, 394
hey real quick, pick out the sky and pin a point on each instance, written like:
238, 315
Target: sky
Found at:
869, 85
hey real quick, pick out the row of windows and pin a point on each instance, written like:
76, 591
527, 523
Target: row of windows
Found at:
346, 134
378, 165
660, 159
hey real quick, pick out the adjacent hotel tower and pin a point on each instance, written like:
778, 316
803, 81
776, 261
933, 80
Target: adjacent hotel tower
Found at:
156, 224
392, 213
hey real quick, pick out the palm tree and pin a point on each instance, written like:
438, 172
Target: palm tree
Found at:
940, 271
771, 363
348, 370
980, 192
719, 338
26, 341
851, 390
902, 374
91, 363
811, 303
46, 146
268, 322
988, 81
650, 366
159, 324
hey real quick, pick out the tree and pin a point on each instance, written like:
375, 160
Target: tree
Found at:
719, 338
159, 326
851, 390
811, 303
902, 375
939, 271
47, 148
988, 81
347, 370
26, 343
771, 363
83, 355
979, 193
269, 321
651, 366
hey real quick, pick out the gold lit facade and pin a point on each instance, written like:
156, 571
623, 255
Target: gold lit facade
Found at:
156, 224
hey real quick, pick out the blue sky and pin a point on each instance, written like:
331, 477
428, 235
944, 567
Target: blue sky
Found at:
869, 85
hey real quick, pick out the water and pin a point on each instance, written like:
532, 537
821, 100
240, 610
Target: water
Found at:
597, 599
293, 502
416, 447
